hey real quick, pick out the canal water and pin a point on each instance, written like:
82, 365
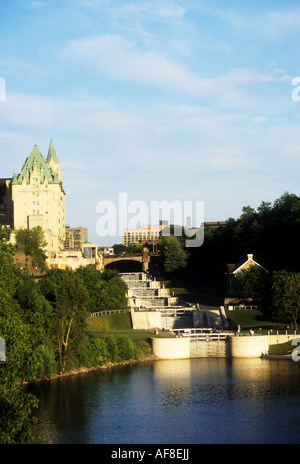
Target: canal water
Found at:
196, 401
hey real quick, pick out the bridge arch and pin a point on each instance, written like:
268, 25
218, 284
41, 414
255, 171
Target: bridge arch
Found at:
124, 265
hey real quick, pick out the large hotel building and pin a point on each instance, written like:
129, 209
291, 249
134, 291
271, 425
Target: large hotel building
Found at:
36, 197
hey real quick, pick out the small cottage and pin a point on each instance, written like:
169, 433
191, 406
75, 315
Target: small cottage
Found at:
234, 291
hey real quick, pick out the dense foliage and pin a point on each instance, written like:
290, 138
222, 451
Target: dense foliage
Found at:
32, 243
286, 296
174, 256
43, 325
271, 233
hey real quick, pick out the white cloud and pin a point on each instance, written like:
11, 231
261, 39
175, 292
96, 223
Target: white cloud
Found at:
114, 56
157, 10
14, 66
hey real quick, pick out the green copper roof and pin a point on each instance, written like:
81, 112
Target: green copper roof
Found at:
36, 160
52, 153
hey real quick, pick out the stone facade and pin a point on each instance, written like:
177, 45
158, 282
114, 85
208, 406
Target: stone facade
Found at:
36, 197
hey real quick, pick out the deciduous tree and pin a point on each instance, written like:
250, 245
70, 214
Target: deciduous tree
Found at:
70, 316
173, 255
286, 296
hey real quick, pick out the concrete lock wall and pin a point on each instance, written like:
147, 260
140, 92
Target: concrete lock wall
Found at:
171, 348
206, 349
254, 347
248, 347
235, 347
144, 320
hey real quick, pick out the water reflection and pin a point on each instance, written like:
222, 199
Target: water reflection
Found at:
215, 400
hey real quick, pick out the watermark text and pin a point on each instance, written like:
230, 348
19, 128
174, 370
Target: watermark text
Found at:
2, 350
115, 218
296, 351
296, 91
2, 89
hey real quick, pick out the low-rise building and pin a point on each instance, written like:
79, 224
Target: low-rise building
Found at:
233, 270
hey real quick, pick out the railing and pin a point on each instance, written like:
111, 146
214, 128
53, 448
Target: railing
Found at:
203, 335
113, 311
240, 307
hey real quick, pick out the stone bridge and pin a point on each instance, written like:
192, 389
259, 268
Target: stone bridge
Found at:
143, 258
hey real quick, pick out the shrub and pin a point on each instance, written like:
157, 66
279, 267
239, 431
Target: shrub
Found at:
126, 348
47, 365
112, 349
97, 352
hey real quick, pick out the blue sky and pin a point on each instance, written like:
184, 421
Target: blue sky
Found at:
164, 100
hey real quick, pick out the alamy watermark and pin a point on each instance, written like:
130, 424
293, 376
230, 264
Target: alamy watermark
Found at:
114, 218
2, 89
2, 350
296, 91
296, 351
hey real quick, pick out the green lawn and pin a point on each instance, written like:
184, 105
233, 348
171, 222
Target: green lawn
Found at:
253, 319
117, 325
281, 349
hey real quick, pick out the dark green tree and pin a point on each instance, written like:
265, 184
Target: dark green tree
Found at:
255, 284
49, 283
16, 406
174, 257
107, 290
286, 296
32, 242
36, 309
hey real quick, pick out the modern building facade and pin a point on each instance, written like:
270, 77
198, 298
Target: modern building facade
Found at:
141, 235
36, 197
75, 237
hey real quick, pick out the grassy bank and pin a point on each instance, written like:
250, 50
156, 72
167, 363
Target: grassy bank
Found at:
253, 319
282, 349
116, 325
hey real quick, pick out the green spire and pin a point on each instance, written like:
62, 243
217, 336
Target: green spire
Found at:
36, 159
15, 178
52, 153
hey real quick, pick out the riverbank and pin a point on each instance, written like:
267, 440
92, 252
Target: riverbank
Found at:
85, 370
277, 356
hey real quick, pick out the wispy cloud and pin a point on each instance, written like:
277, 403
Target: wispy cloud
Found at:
114, 56
16, 66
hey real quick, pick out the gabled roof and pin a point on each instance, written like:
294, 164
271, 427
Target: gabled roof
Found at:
36, 161
234, 268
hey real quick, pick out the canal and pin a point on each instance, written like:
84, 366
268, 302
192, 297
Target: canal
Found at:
205, 400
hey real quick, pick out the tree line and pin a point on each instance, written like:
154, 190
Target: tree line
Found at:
271, 233
43, 325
